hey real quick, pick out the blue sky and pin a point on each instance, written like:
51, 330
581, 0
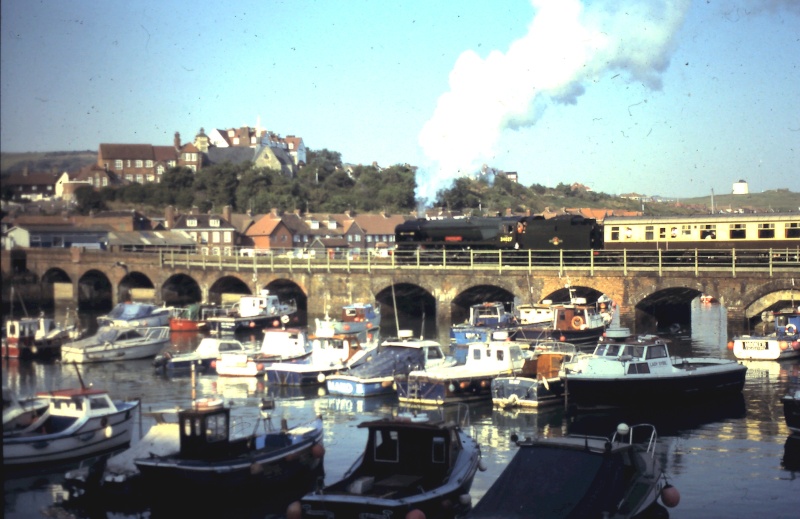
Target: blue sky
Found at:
671, 98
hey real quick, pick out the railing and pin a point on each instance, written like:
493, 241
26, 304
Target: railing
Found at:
590, 262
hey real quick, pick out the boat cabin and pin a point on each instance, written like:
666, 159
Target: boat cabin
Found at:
787, 322
576, 317
333, 348
489, 314
264, 303
358, 312
496, 355
285, 343
405, 453
204, 430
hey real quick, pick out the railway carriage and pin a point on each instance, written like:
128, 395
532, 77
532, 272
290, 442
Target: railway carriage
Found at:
713, 231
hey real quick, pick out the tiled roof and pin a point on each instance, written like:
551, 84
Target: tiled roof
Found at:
127, 151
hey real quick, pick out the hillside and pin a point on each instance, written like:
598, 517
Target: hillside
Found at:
779, 200
46, 161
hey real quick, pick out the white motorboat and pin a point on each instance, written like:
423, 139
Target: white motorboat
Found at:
112, 343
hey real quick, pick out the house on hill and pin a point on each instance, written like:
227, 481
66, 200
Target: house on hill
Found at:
32, 186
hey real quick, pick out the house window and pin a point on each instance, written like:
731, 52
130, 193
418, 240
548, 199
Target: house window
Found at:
160, 169
204, 237
117, 164
105, 181
129, 177
358, 238
291, 145
91, 182
236, 141
191, 222
332, 225
172, 163
766, 230
139, 164
296, 238
129, 162
213, 222
149, 163
252, 140
151, 178
215, 236
227, 236
140, 178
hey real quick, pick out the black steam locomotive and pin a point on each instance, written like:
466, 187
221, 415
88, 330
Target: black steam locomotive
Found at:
565, 232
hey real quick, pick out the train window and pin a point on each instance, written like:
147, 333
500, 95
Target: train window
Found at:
628, 232
766, 230
615, 233
673, 232
686, 230
708, 232
793, 230
737, 231
662, 233
648, 232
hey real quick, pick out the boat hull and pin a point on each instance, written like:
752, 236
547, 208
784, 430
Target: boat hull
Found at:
766, 347
108, 353
352, 386
646, 389
299, 377
426, 390
248, 472
791, 411
97, 435
512, 392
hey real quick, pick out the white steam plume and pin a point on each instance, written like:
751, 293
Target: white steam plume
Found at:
567, 44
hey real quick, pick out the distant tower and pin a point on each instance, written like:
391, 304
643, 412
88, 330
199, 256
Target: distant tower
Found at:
740, 188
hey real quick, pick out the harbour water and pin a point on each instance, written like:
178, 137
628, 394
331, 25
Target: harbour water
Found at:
731, 457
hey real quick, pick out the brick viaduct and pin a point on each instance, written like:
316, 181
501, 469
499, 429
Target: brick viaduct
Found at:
744, 292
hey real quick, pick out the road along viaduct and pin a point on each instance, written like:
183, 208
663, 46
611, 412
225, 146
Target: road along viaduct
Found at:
444, 289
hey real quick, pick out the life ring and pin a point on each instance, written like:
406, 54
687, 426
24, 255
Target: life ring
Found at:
577, 322
791, 329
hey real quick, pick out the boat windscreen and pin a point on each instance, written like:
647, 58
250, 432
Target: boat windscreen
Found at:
546, 482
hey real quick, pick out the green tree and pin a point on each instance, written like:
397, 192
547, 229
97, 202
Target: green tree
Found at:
88, 200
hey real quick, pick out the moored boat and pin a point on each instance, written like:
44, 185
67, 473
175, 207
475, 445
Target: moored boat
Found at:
644, 374
353, 318
112, 343
330, 353
538, 383
278, 345
483, 320
37, 337
256, 312
211, 459
80, 423
203, 358
581, 476
411, 467
375, 375
463, 382
782, 343
193, 317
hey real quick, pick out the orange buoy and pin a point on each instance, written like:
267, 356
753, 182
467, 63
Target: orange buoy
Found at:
294, 511
730, 345
415, 514
260, 367
275, 323
670, 496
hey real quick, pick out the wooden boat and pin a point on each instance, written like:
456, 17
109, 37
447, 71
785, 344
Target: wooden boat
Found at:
645, 374
538, 383
462, 382
483, 320
112, 343
80, 423
330, 353
581, 476
21, 414
375, 375
135, 315
536, 313
257, 312
783, 343
278, 345
411, 467
203, 358
355, 317
211, 460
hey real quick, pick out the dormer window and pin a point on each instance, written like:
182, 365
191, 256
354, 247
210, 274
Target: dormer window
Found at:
191, 222
214, 222
230, 133
332, 225
313, 224
236, 141
252, 140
